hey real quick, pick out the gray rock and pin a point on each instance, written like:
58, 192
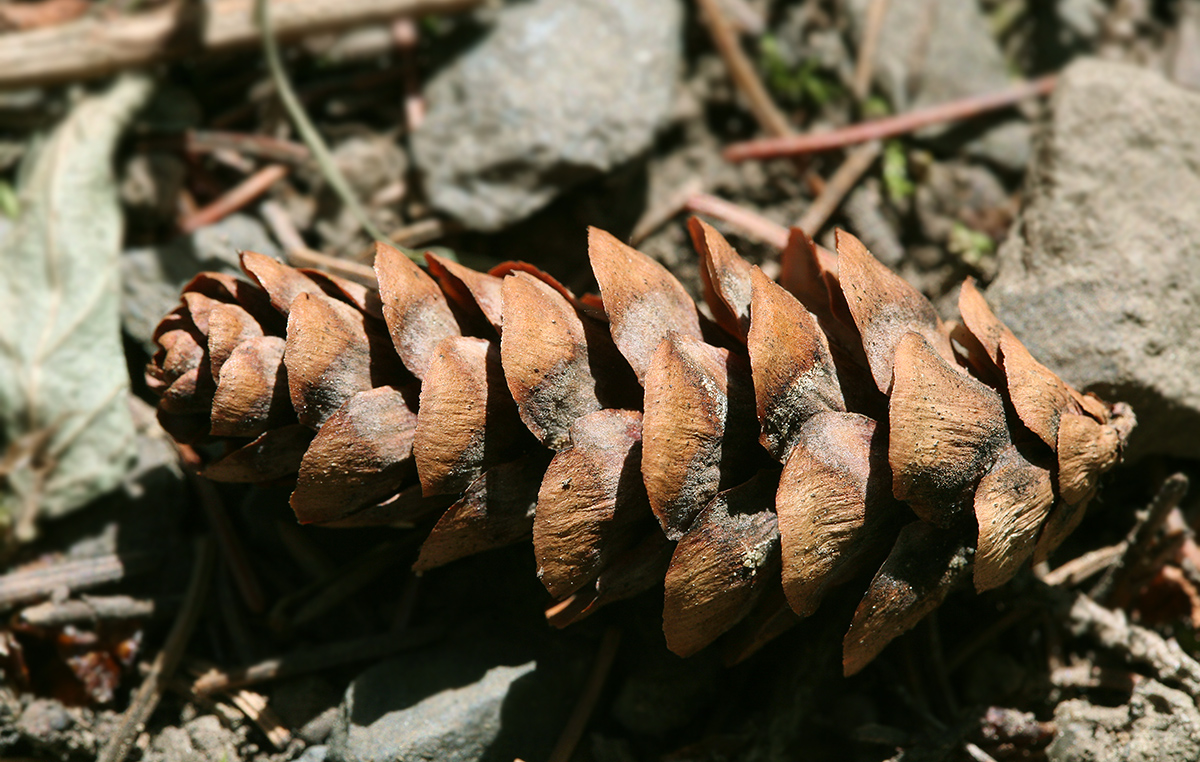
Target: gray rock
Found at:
933, 51
1100, 276
1158, 724
560, 90
444, 706
152, 277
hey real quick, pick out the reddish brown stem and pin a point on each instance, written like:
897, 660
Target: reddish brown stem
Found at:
889, 127
236, 198
750, 224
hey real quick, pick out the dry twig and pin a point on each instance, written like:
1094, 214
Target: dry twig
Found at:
741, 70
145, 700
314, 659
748, 223
97, 46
889, 127
582, 712
91, 608
865, 65
26, 585
841, 183
1136, 644
236, 198
1136, 553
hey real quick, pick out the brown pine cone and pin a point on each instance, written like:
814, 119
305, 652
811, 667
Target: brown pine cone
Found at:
640, 441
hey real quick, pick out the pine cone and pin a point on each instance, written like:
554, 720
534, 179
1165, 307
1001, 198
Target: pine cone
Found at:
640, 441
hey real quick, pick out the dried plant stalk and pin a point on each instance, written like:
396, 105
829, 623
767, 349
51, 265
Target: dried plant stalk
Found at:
821, 428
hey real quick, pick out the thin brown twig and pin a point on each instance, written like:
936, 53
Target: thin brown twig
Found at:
582, 712
25, 585
741, 70
91, 609
746, 222
262, 146
145, 699
865, 65
407, 36
889, 127
235, 198
314, 659
421, 232
230, 543
838, 186
1136, 552
1078, 569
659, 214
99, 45
300, 255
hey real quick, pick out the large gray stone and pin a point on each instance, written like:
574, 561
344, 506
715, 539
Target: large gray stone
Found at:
499, 696
1158, 724
934, 51
1100, 276
559, 90
454, 725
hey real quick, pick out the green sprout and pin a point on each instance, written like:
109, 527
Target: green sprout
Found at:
10, 204
971, 246
896, 181
806, 82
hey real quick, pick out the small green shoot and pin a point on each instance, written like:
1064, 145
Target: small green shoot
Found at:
896, 181
10, 204
805, 83
971, 246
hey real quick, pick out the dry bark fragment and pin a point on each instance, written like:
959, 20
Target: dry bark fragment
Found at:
721, 565
793, 371
644, 302
592, 505
946, 429
496, 510
725, 276
925, 564
468, 421
699, 429
361, 455
885, 308
835, 511
414, 308
1011, 504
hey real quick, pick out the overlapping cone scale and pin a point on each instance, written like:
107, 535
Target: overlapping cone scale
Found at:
813, 432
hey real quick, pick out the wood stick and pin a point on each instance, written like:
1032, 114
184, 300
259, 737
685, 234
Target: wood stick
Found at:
315, 659
145, 700
838, 186
741, 70
97, 46
29, 585
864, 67
91, 609
751, 224
577, 722
889, 127
235, 198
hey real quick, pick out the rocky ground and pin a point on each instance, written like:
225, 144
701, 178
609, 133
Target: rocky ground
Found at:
500, 133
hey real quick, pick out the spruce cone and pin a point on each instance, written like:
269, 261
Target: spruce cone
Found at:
638, 440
